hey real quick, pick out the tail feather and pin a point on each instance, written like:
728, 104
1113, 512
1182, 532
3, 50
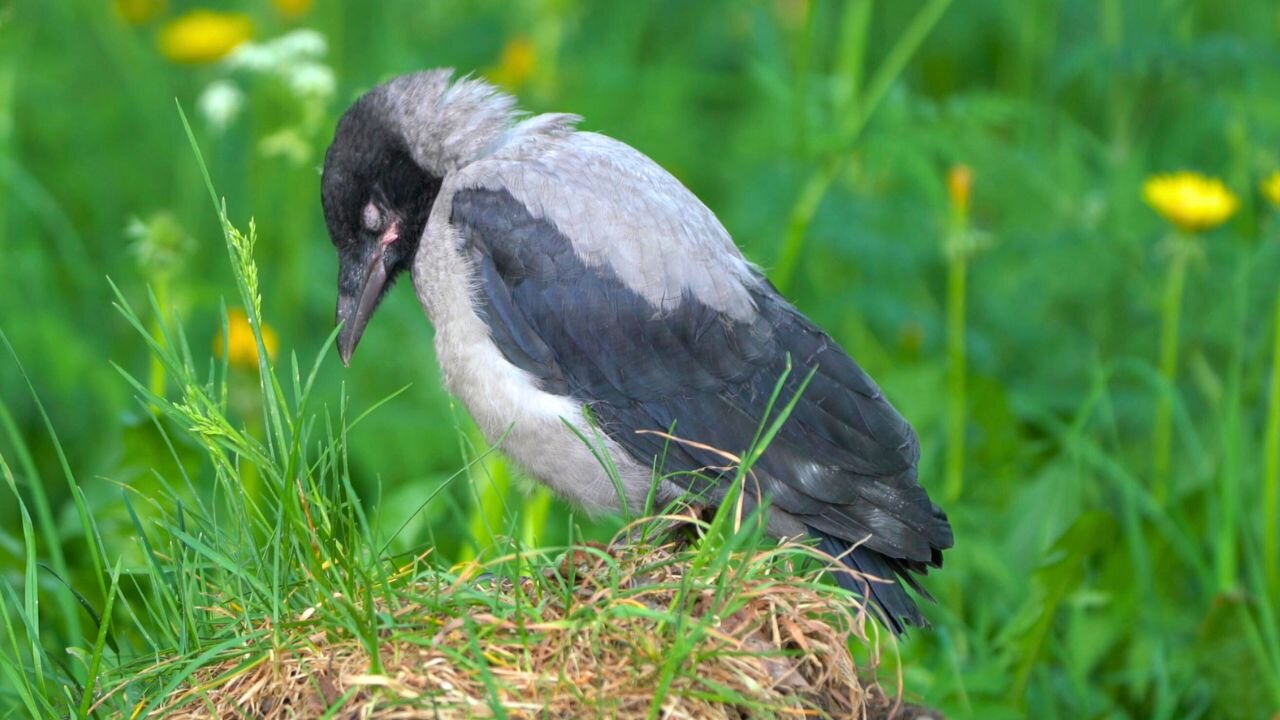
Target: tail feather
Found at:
877, 578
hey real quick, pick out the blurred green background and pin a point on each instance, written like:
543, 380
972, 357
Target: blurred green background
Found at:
1086, 581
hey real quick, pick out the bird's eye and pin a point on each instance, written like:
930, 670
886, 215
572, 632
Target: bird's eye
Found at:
372, 217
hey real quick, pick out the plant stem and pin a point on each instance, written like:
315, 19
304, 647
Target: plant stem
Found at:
1230, 477
861, 109
957, 244
846, 101
1271, 467
890, 69
1170, 317
1120, 95
7, 76
491, 481
957, 270
534, 524
157, 374
802, 214
851, 55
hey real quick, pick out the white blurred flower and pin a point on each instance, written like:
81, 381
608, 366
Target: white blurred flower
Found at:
312, 79
220, 104
287, 144
291, 64
278, 54
159, 243
252, 56
301, 44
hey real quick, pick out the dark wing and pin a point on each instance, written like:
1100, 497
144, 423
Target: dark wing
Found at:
844, 461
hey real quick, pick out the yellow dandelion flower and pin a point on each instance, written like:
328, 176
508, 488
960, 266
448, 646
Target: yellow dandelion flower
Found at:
1271, 188
203, 36
1189, 200
518, 61
292, 8
240, 347
139, 12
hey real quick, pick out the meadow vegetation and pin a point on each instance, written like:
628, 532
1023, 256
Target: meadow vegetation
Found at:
983, 201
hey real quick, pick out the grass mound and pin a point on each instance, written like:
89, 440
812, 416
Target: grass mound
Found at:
625, 630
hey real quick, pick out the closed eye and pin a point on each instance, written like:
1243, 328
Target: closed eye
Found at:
372, 217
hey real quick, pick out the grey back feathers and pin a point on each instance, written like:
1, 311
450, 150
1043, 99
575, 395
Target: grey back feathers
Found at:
623, 214
583, 275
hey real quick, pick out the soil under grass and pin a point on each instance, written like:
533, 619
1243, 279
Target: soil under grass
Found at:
619, 631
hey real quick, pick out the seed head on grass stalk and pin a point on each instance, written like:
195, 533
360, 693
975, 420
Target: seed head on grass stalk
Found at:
1193, 204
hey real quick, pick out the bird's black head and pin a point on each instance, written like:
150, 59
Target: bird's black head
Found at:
376, 202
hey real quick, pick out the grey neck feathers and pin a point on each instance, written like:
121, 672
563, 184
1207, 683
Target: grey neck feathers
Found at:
446, 125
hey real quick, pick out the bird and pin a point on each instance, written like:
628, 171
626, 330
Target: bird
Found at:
579, 291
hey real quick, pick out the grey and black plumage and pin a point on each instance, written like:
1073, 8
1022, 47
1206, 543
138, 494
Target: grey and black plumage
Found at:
571, 279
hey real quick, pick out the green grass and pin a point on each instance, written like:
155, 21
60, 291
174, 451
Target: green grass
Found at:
1084, 583
231, 588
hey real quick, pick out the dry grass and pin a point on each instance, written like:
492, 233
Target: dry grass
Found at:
590, 636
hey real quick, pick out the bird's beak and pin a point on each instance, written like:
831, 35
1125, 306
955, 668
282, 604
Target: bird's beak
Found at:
354, 310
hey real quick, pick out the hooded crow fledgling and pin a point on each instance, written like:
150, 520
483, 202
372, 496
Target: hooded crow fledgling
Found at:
572, 280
